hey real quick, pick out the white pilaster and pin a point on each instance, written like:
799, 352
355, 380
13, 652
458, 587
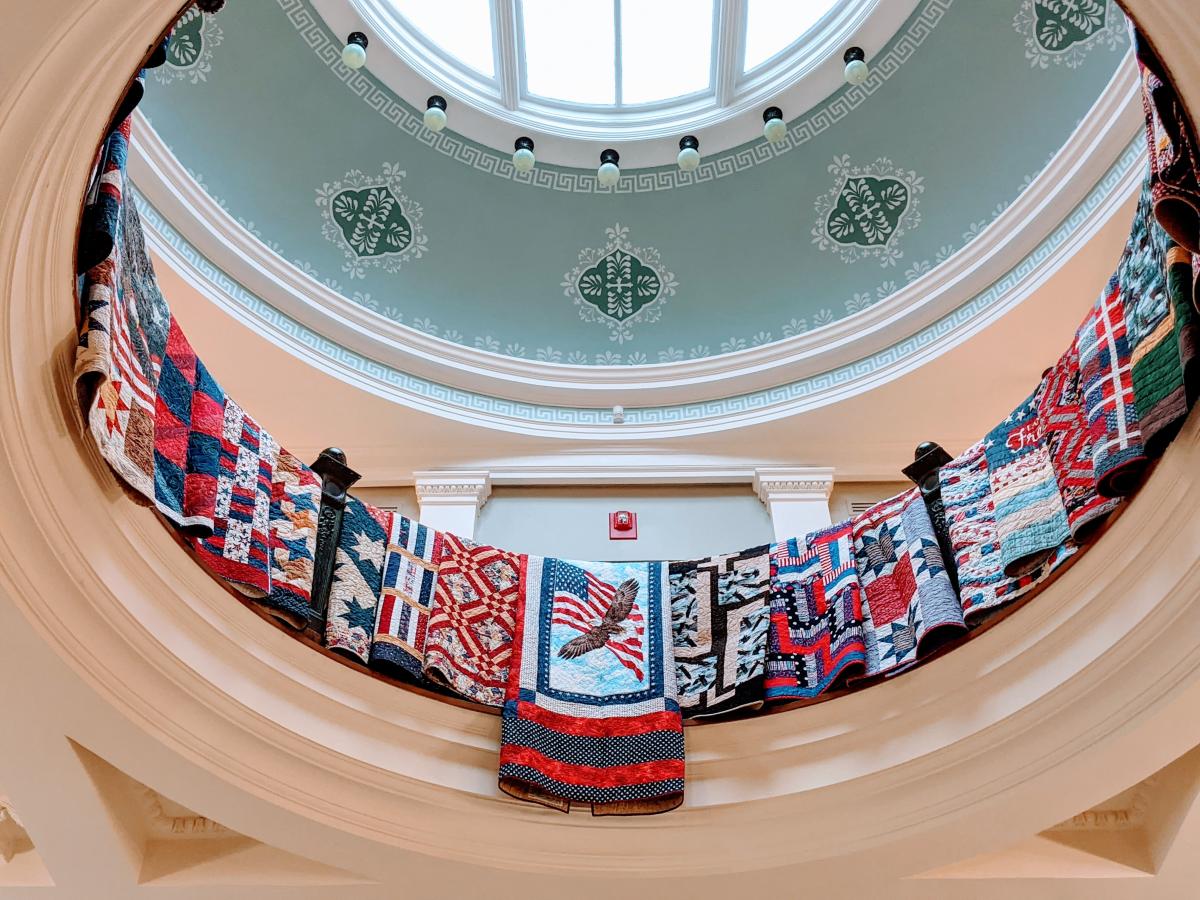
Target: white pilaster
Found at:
797, 498
450, 501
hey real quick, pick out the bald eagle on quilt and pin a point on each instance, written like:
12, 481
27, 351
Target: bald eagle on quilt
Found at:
591, 713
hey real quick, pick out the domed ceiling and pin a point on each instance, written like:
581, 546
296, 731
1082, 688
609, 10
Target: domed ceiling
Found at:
873, 187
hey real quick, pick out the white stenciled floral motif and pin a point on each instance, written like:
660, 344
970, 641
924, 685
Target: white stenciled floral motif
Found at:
1063, 31
619, 284
372, 220
867, 210
190, 49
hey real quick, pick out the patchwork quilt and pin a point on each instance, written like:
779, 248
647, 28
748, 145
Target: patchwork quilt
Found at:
908, 595
357, 579
102, 211
1164, 363
121, 340
1063, 429
971, 521
409, 578
295, 503
720, 607
591, 713
1118, 454
239, 548
469, 641
1174, 155
1031, 519
818, 630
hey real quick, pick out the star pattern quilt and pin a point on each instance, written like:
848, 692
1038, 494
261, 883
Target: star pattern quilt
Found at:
908, 594
357, 579
295, 503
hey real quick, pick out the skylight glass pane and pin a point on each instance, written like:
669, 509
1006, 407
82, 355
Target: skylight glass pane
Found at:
666, 48
774, 25
569, 48
462, 28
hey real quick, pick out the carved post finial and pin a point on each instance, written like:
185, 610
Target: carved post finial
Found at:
336, 480
924, 471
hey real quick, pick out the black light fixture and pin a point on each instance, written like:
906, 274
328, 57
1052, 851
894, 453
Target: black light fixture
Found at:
609, 172
774, 128
857, 69
354, 54
523, 159
689, 153
435, 113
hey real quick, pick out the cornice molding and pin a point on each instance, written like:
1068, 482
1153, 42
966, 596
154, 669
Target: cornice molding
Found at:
1101, 138
453, 488
799, 483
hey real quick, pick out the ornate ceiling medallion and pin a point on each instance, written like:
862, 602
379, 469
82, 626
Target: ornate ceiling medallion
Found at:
867, 210
619, 284
1063, 31
190, 50
372, 220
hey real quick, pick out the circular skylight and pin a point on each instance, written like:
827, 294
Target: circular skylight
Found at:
619, 69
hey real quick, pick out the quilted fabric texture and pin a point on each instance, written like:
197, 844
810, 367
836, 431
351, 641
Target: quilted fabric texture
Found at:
591, 714
818, 634
357, 579
469, 640
409, 580
908, 594
720, 607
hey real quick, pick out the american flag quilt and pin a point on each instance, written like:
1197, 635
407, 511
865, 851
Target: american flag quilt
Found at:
908, 596
1068, 440
1118, 454
469, 641
357, 579
817, 636
295, 503
239, 548
971, 522
410, 570
591, 713
720, 607
1031, 519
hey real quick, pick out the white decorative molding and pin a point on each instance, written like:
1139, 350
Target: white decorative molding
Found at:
1103, 135
797, 497
166, 824
450, 501
13, 838
487, 111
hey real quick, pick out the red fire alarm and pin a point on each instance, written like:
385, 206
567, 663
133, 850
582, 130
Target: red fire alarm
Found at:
622, 525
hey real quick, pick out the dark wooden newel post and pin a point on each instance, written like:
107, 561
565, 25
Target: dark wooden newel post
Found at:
336, 480
924, 472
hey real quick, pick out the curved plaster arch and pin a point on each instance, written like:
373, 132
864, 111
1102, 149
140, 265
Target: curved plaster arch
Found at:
1083, 692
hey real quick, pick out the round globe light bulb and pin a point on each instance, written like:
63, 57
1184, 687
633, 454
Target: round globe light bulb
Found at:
523, 160
354, 55
857, 71
688, 159
774, 130
435, 118
608, 174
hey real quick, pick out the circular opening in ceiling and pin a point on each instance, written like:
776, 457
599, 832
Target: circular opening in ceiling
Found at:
614, 69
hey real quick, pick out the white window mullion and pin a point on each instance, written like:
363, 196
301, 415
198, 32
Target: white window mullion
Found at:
507, 51
730, 31
617, 51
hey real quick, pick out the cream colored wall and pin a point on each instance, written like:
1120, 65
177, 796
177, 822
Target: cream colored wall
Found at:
673, 522
402, 499
847, 496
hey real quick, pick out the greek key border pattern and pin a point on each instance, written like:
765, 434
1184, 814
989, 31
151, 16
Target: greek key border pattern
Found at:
313, 31
650, 415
